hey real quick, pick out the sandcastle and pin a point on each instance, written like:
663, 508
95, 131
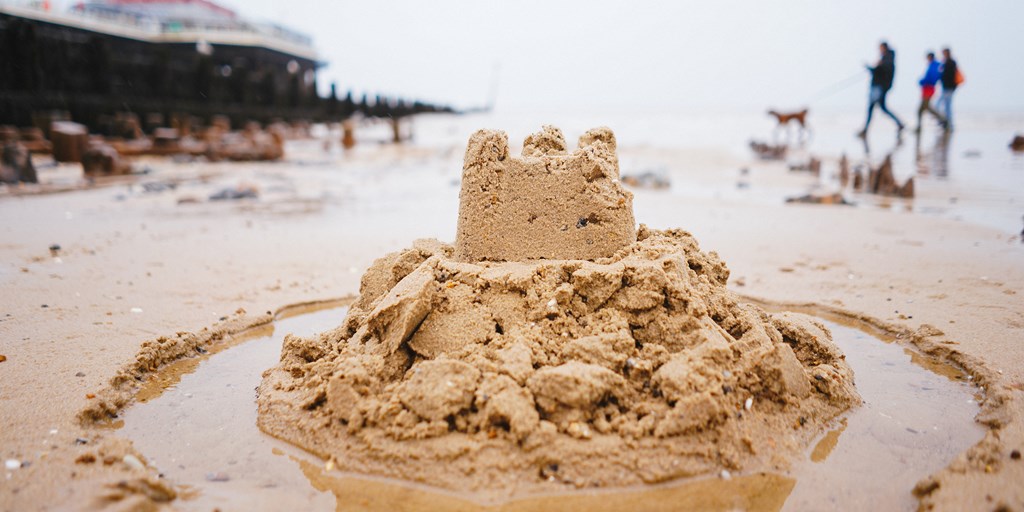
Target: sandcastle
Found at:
528, 358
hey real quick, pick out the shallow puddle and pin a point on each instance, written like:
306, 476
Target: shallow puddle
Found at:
196, 423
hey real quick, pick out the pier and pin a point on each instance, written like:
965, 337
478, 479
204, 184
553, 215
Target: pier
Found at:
162, 60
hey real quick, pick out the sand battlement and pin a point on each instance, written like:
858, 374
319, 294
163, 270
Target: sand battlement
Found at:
547, 203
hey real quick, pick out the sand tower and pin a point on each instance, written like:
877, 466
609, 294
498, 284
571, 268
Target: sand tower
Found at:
546, 204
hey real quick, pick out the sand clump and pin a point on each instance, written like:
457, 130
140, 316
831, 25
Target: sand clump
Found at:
504, 368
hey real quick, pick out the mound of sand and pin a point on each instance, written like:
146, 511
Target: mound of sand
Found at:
514, 377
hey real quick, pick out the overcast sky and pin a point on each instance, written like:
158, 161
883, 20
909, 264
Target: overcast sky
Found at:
677, 54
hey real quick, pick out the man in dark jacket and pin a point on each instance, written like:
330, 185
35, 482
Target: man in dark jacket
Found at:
882, 75
950, 80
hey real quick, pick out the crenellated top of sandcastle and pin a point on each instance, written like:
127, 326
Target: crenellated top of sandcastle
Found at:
547, 203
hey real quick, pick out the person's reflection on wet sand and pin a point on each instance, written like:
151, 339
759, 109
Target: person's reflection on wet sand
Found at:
936, 160
897, 144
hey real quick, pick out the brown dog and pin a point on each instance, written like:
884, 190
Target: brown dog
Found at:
784, 118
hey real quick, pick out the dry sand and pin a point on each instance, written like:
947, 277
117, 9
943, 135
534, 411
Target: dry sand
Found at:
141, 268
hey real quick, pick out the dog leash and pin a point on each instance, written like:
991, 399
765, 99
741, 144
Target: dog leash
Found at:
837, 87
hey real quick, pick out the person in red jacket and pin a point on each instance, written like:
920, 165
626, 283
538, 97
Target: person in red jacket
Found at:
932, 75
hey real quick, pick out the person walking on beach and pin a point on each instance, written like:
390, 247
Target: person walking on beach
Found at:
951, 78
882, 75
932, 75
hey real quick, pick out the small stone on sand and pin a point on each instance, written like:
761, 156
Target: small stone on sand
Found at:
133, 462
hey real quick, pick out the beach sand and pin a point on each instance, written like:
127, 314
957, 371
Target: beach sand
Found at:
134, 266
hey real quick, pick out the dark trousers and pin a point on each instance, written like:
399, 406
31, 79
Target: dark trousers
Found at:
877, 97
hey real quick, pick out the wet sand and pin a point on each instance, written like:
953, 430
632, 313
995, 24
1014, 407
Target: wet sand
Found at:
200, 431
134, 266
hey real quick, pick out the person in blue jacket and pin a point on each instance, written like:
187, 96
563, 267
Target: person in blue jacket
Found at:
882, 75
932, 75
